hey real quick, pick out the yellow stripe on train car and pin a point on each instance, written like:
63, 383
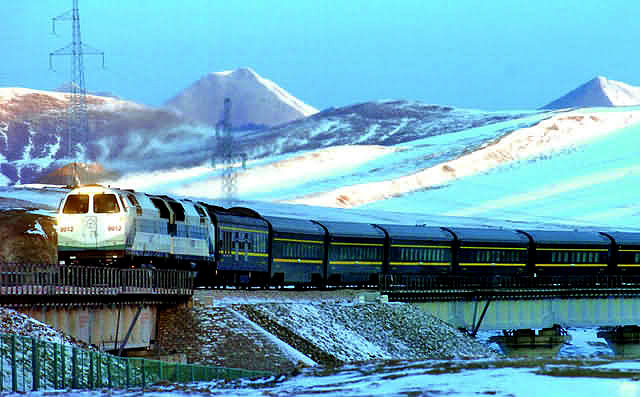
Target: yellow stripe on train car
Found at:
419, 263
319, 261
494, 264
495, 248
354, 263
574, 249
240, 229
291, 240
242, 253
358, 244
420, 246
571, 265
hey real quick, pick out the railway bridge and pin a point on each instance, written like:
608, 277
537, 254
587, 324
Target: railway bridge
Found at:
113, 308
117, 309
517, 307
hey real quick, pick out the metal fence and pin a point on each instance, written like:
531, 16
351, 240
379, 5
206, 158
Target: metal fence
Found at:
21, 279
29, 364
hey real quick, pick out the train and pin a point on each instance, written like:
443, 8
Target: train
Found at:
101, 225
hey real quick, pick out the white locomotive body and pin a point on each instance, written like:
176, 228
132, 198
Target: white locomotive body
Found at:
103, 225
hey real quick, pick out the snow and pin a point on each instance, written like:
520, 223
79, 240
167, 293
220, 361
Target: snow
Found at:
547, 137
285, 97
620, 94
37, 230
10, 93
279, 175
293, 355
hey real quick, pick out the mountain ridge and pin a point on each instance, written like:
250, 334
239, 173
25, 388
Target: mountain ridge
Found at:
255, 100
598, 92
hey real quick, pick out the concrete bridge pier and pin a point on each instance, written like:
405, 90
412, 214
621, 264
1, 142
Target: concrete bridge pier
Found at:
623, 340
527, 343
105, 325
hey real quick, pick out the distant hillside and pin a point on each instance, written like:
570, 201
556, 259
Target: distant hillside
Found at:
255, 100
34, 142
598, 92
370, 123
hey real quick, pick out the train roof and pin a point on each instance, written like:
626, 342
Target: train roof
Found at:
292, 225
467, 234
417, 232
240, 219
352, 229
625, 238
567, 237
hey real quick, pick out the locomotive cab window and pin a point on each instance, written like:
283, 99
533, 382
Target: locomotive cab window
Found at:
76, 204
105, 204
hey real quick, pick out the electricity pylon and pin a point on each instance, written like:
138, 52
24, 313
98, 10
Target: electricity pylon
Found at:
77, 115
225, 154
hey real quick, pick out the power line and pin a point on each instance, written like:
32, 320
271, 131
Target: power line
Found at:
77, 114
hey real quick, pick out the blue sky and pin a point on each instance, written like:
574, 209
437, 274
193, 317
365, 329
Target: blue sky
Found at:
475, 54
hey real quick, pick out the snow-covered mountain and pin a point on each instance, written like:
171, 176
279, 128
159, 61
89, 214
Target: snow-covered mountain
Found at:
255, 100
127, 137
598, 92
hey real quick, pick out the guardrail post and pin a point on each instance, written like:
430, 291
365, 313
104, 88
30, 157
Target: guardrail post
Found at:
55, 366
99, 370
142, 373
14, 367
110, 383
63, 366
35, 369
74, 368
127, 368
91, 370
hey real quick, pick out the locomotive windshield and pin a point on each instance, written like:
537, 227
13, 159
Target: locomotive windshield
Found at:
76, 204
105, 204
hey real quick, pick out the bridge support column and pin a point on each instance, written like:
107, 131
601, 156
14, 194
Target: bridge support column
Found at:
527, 343
624, 340
98, 324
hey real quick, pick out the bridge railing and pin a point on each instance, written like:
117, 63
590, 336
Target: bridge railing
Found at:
30, 364
35, 279
451, 283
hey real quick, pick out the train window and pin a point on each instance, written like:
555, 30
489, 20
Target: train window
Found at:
76, 204
637, 258
105, 204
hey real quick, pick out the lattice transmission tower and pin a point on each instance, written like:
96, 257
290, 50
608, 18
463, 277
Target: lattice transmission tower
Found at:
226, 155
77, 115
